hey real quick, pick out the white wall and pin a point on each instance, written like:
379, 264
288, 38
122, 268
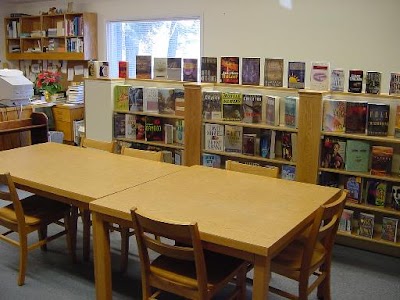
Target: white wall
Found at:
349, 34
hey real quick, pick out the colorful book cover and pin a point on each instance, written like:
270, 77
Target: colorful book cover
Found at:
160, 68
140, 122
356, 117
166, 101
366, 225
291, 104
211, 160
272, 110
337, 80
373, 82
288, 172
296, 75
212, 105
121, 100
214, 137
190, 69
357, 155
150, 99
334, 115
397, 123
119, 125
179, 95
287, 146
394, 87
252, 108
389, 229
353, 184
123, 69
376, 191
130, 126
251, 70
135, 98
209, 69
395, 197
230, 69
267, 144
378, 119
319, 76
273, 72
355, 81
345, 223
179, 136
174, 68
103, 69
233, 139
154, 129
381, 160
232, 108
143, 66
249, 143
333, 153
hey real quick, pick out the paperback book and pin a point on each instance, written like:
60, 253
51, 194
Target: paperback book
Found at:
366, 225
291, 105
121, 100
395, 197
123, 69
251, 70
381, 160
249, 143
230, 69
212, 105
355, 81
319, 77
267, 143
288, 172
252, 108
346, 220
353, 184
378, 119
143, 66
334, 115
154, 129
119, 126
356, 117
373, 82
130, 126
190, 69
273, 72
394, 87
209, 69
357, 155
179, 95
135, 98
233, 139
179, 132
397, 123
214, 137
211, 160
174, 68
329, 179
376, 191
166, 101
296, 75
140, 122
333, 153
168, 133
337, 80
272, 110
232, 107
160, 68
150, 99
287, 146
389, 229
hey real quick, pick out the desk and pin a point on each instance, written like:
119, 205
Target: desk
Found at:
247, 216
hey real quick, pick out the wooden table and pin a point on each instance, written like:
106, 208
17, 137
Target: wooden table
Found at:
248, 216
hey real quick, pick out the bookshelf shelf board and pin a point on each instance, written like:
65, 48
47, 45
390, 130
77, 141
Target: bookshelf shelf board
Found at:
143, 113
158, 144
383, 139
376, 238
251, 125
361, 95
46, 56
260, 88
379, 209
393, 178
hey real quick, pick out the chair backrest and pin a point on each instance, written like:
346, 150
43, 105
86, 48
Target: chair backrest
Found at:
179, 241
11, 195
269, 171
145, 154
100, 145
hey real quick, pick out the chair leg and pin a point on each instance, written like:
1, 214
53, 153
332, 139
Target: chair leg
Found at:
86, 234
303, 287
124, 248
23, 257
324, 288
42, 233
241, 283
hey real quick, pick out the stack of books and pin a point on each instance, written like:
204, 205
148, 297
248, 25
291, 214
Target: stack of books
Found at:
75, 93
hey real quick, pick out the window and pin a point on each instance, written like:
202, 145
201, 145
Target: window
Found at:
159, 38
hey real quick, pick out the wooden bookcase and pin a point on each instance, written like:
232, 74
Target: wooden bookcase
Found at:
28, 37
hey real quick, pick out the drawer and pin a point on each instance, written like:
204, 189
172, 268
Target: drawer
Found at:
66, 128
61, 114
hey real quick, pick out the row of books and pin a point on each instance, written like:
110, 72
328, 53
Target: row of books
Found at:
366, 224
147, 128
265, 143
149, 99
250, 108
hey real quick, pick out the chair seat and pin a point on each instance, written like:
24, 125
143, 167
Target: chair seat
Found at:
37, 210
219, 267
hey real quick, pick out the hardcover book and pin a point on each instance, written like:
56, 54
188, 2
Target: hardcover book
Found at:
154, 129
143, 66
179, 95
233, 140
214, 137
251, 70
381, 160
288, 172
121, 101
291, 105
119, 125
373, 82
150, 99
249, 143
334, 115
140, 127
333, 153
389, 229
319, 77
378, 119
232, 108
123, 69
174, 68
337, 80
130, 126
272, 110
273, 72
356, 117
230, 69
366, 225
252, 108
209, 69
135, 98
179, 136
357, 155
296, 75
190, 69
353, 184
394, 87
376, 192
355, 81
345, 223
160, 68
211, 160
212, 105
166, 101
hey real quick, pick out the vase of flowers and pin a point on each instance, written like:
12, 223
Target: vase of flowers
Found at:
49, 83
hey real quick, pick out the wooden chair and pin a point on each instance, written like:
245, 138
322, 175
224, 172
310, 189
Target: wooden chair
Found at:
269, 171
145, 154
100, 145
310, 255
30, 214
182, 267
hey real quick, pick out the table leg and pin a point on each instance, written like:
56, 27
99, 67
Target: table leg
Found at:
102, 262
86, 233
73, 227
262, 276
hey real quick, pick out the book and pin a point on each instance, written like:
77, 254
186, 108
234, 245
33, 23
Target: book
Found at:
212, 105
179, 95
103, 69
355, 81
366, 225
121, 100
190, 69
356, 117
230, 69
249, 143
397, 123
288, 172
337, 80
378, 119
287, 146
179, 157
272, 114
357, 155
168, 133
179, 132
233, 138
346, 220
389, 229
160, 68
154, 129
140, 122
394, 87
291, 109
395, 197
130, 126
232, 109
119, 125
267, 144
143, 66
296, 74
209, 69
319, 76
333, 153
353, 184
174, 68
273, 72
329, 179
376, 191
334, 113
123, 69
251, 70
150, 99
135, 98
381, 160
252, 108
211, 160
166, 101
214, 137
373, 82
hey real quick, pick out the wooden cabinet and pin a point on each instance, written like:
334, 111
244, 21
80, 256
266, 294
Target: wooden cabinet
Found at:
70, 36
64, 116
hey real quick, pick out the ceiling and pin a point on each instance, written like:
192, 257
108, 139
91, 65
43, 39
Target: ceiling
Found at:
22, 1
